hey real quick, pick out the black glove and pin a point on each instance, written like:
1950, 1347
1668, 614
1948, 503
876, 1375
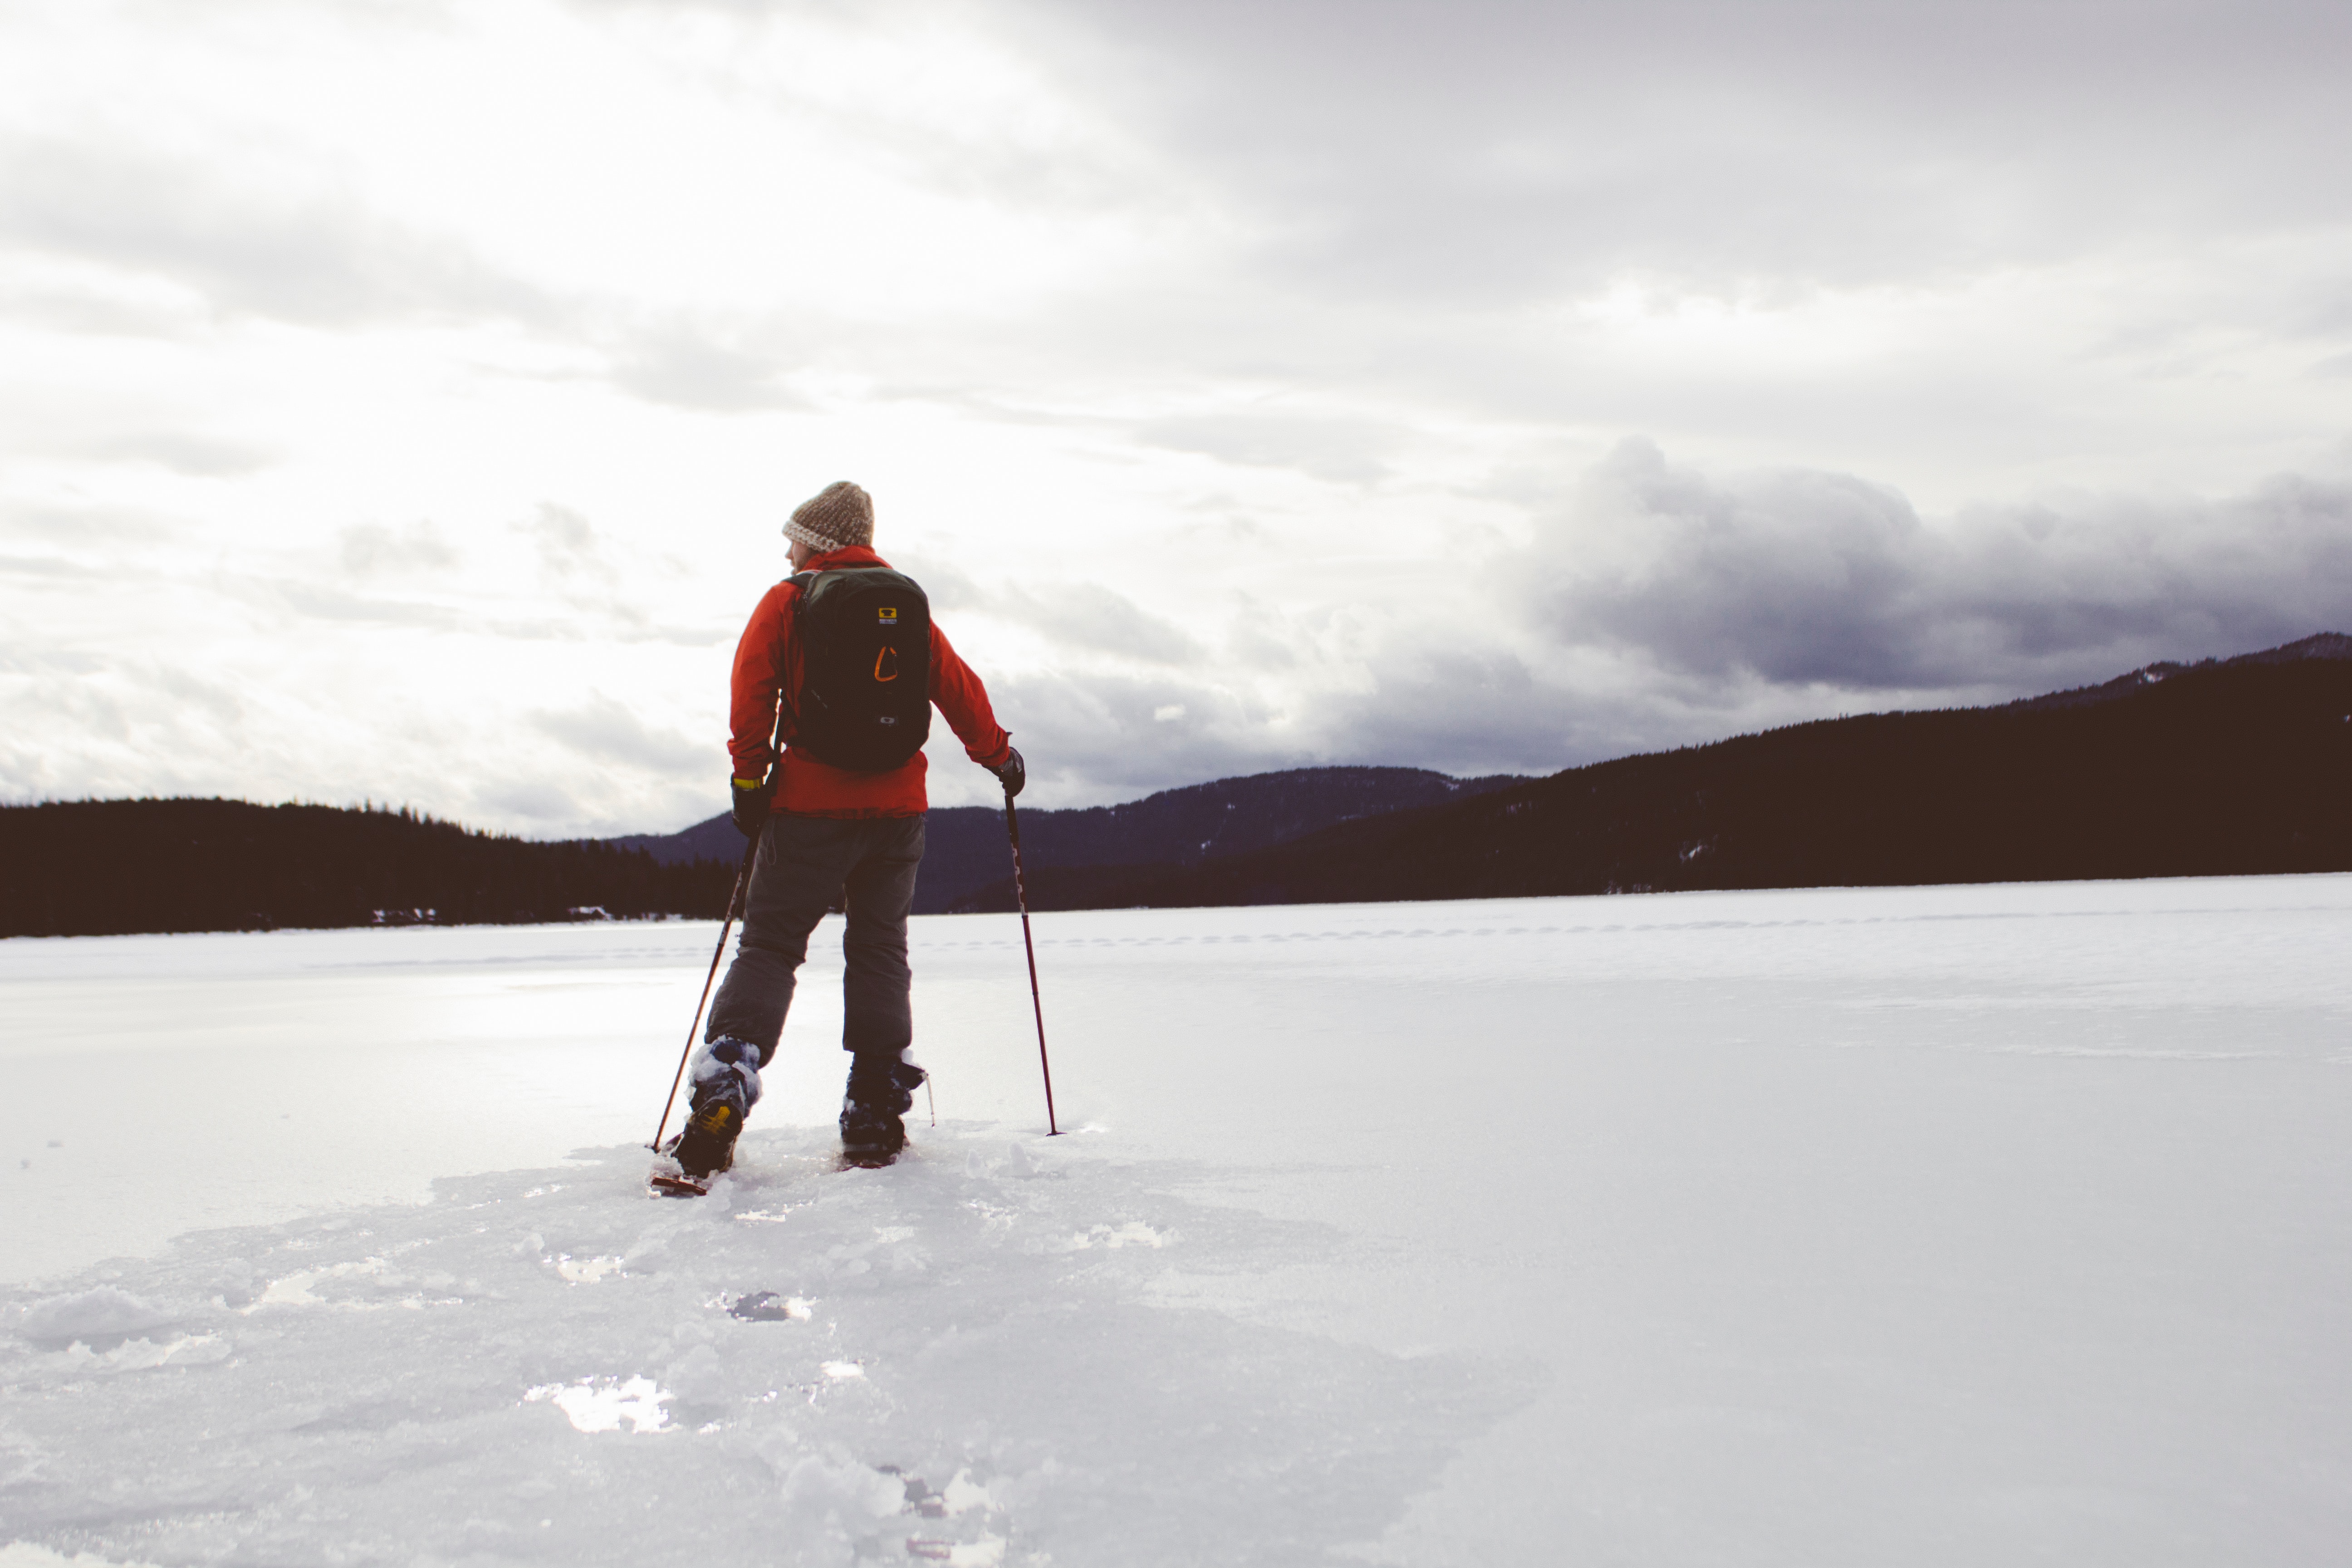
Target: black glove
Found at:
751, 807
1011, 773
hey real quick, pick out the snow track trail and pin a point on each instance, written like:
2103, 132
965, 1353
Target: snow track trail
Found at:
955, 1364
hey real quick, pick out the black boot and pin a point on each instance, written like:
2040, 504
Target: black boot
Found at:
725, 1085
873, 1109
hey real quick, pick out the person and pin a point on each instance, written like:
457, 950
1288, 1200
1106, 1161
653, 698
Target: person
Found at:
830, 835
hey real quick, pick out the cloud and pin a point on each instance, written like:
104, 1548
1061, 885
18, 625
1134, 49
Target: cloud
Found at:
947, 585
315, 256
568, 543
689, 368
1091, 616
1486, 152
1664, 604
183, 452
606, 732
50, 566
1347, 451
322, 602
1293, 331
84, 523
1803, 577
1094, 736
372, 549
1081, 615
537, 802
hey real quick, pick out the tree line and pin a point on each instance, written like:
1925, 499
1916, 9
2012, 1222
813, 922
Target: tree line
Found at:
113, 867
2235, 769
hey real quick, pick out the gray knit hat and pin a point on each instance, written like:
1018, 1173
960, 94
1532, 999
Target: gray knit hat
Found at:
840, 514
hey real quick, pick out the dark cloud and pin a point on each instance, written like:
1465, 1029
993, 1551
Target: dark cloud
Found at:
1663, 605
1462, 706
1807, 578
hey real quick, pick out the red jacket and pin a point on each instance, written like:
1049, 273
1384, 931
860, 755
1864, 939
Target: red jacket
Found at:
768, 672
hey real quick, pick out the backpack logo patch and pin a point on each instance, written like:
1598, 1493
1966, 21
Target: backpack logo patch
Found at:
888, 616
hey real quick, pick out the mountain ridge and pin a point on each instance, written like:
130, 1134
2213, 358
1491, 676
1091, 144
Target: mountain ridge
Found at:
965, 847
2228, 766
2241, 765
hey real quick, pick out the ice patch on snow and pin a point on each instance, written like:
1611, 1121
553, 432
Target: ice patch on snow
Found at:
360, 1285
586, 1270
1134, 1233
28, 1554
100, 1318
602, 1404
964, 1493
144, 1354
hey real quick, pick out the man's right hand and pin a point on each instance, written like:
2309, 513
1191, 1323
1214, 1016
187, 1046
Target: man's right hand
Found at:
1011, 773
751, 806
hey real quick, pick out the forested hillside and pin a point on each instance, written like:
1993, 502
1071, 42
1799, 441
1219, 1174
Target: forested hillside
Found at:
90, 868
2236, 767
965, 849
2242, 767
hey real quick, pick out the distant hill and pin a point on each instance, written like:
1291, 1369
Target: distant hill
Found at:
2235, 766
2241, 766
964, 849
107, 866
713, 840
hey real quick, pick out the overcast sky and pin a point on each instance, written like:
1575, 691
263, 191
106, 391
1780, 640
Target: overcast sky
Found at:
400, 400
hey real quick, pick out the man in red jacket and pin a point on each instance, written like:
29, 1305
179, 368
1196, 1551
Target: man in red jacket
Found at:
825, 833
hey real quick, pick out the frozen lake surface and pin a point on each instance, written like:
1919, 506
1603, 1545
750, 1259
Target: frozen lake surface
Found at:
1938, 1226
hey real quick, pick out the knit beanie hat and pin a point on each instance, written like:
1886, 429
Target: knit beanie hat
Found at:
840, 514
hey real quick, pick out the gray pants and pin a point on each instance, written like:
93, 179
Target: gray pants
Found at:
804, 865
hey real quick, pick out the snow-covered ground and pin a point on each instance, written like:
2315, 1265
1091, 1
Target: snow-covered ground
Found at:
1921, 1226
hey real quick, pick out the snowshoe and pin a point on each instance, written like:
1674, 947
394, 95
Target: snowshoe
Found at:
873, 1129
704, 1150
725, 1085
672, 1182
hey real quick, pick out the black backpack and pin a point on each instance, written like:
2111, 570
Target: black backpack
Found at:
865, 659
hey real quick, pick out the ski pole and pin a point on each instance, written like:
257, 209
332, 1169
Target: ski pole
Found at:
733, 899
1020, 893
